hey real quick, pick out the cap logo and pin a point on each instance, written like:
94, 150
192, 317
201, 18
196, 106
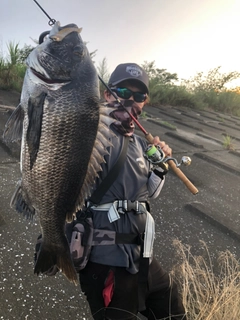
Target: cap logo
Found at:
134, 71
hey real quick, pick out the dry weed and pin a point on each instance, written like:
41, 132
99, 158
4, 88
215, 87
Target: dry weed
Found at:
208, 295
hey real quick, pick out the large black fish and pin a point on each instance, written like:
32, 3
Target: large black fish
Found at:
65, 133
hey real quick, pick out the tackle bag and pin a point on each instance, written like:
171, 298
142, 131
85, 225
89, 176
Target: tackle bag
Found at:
80, 235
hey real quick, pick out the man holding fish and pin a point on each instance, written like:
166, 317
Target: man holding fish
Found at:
123, 278
65, 144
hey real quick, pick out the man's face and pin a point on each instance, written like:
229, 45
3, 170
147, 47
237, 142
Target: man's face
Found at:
134, 88
124, 122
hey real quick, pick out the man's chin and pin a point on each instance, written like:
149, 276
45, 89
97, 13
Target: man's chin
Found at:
124, 130
129, 131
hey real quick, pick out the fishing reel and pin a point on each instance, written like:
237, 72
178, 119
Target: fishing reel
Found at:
156, 156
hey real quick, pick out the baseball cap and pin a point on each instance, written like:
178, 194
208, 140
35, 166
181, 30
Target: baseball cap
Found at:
129, 71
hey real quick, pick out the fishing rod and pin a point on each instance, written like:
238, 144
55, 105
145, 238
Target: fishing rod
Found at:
154, 151
51, 21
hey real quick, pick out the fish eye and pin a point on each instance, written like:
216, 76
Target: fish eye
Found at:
78, 51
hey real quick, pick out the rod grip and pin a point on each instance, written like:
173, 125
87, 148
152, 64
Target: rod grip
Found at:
176, 170
182, 177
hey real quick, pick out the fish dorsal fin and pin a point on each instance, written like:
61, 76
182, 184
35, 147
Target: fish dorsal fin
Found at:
102, 141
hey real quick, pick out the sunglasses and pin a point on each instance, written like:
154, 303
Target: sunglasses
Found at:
125, 93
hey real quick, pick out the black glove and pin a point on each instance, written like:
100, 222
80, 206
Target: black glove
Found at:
54, 269
160, 172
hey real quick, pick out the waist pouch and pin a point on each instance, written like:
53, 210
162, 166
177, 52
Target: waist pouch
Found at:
82, 236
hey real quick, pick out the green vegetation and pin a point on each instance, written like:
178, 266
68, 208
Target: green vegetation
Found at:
12, 68
221, 119
143, 115
209, 293
168, 124
200, 92
228, 143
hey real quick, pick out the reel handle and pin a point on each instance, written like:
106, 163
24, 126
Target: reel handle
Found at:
176, 170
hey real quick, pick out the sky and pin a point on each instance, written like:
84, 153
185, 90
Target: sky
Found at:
182, 36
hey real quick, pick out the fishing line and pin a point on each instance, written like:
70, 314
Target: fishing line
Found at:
51, 21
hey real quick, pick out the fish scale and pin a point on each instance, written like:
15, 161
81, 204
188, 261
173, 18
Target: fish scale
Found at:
65, 137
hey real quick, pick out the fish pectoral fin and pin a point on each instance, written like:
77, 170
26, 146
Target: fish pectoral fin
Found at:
50, 256
14, 126
19, 203
35, 114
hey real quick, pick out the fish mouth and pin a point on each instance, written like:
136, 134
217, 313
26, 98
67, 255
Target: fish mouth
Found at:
47, 80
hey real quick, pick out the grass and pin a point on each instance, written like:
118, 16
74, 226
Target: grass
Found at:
143, 115
221, 119
228, 143
168, 124
208, 295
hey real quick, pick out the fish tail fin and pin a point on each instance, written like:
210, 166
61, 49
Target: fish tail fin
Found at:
59, 256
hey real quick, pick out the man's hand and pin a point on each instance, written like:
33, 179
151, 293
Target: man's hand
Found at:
165, 147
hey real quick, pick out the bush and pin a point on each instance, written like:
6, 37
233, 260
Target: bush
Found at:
170, 94
12, 70
201, 92
11, 77
229, 101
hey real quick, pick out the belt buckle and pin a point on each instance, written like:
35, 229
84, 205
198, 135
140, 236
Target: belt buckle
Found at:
133, 205
122, 206
128, 205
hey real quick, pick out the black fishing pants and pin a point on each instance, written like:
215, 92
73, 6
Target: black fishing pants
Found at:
162, 299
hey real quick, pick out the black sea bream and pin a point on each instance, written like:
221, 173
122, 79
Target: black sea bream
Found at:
65, 133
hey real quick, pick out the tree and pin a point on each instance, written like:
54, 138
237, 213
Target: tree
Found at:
214, 80
160, 81
150, 68
102, 69
24, 52
161, 76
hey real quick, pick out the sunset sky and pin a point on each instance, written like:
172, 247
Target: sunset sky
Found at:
182, 36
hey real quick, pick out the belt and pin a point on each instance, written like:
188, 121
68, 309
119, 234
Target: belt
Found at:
108, 237
122, 206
